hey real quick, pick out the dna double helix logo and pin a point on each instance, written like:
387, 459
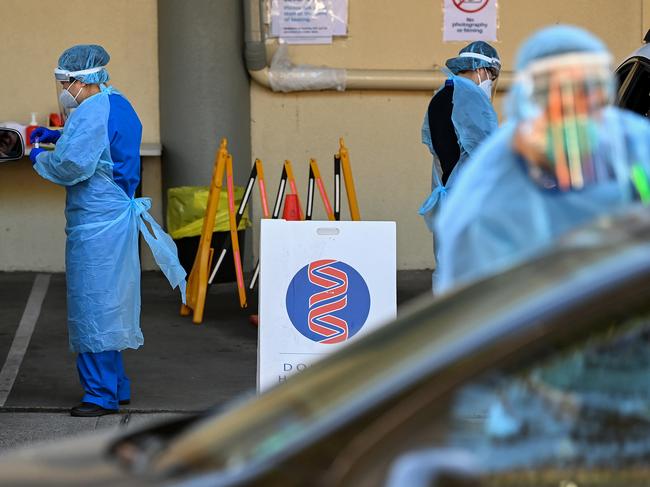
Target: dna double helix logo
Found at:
328, 301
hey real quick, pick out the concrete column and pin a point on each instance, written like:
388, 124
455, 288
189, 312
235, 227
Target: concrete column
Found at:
204, 89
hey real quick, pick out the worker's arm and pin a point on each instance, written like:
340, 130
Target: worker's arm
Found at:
77, 152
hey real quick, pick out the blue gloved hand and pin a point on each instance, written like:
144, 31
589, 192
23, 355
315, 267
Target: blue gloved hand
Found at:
45, 135
34, 152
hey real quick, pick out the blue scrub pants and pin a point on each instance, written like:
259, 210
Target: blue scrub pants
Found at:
103, 379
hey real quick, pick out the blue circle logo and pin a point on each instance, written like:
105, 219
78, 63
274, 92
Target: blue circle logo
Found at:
328, 301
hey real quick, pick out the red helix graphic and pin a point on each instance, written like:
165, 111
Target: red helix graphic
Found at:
322, 304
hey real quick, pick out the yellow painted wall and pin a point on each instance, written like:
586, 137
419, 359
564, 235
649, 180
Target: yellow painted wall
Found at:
382, 129
34, 33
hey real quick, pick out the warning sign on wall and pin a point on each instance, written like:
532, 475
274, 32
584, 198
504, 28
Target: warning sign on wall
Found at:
308, 21
470, 20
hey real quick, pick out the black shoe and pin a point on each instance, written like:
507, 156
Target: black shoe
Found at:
90, 410
124, 402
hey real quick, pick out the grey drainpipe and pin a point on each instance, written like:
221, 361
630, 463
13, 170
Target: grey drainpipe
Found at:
254, 50
355, 79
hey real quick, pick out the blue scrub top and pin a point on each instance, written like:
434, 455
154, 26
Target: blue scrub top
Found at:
125, 135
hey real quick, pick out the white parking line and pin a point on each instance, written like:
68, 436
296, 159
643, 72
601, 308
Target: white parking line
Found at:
23, 336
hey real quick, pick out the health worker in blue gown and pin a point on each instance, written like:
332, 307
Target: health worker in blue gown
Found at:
96, 157
564, 157
459, 118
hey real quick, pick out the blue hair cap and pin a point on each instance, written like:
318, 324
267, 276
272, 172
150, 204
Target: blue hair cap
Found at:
86, 56
489, 58
556, 40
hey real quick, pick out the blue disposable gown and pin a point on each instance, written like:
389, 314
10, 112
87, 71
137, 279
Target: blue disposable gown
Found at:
497, 216
103, 224
474, 119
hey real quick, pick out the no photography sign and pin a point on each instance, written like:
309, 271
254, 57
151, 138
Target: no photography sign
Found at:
471, 6
470, 20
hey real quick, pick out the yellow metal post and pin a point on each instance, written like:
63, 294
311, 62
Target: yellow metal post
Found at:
292, 183
349, 181
262, 185
197, 284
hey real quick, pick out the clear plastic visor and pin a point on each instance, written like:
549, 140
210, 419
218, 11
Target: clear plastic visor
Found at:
73, 86
562, 137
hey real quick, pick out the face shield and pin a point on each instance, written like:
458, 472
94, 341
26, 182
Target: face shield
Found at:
561, 133
489, 66
68, 81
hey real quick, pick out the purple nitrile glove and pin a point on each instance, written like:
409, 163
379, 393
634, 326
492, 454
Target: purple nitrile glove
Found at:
44, 135
34, 152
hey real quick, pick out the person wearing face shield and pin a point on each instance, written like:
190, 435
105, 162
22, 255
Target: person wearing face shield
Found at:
459, 118
564, 157
97, 159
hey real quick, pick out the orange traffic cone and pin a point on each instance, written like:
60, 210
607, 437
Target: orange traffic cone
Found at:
291, 208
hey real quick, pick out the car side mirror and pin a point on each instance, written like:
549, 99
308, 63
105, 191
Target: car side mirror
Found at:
12, 145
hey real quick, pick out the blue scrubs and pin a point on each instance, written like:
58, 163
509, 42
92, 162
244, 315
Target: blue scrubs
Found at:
125, 136
103, 379
102, 374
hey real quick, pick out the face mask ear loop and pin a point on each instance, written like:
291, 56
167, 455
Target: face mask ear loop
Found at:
78, 92
478, 73
70, 86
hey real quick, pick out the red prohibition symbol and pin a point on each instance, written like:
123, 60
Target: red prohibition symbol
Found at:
471, 6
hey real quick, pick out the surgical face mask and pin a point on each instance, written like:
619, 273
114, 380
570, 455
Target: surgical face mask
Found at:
67, 100
485, 86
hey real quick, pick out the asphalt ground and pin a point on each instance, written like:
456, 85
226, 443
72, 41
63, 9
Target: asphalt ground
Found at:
182, 367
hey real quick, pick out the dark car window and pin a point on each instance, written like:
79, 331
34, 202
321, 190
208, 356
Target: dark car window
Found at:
634, 82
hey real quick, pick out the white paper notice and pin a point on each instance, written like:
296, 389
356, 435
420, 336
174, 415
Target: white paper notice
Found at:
470, 20
308, 21
300, 18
